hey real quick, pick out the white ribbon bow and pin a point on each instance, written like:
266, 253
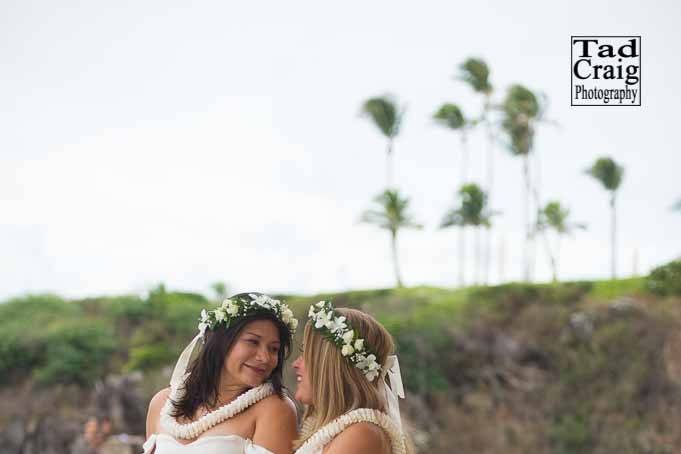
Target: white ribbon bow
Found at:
149, 445
396, 389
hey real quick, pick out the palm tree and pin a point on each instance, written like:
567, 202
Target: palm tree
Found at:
554, 216
610, 174
475, 73
390, 213
451, 116
520, 112
472, 211
384, 113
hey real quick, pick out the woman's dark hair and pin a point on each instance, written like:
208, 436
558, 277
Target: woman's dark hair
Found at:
202, 386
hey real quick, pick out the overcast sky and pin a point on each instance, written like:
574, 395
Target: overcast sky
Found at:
194, 142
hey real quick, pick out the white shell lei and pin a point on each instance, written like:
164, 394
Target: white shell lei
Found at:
324, 435
205, 422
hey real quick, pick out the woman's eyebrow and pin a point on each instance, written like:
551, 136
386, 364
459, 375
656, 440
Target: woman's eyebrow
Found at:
277, 341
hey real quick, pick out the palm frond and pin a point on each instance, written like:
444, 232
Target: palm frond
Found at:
384, 113
450, 116
608, 172
475, 72
472, 209
390, 212
451, 219
555, 216
521, 100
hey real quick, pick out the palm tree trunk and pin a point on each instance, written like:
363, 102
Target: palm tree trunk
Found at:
490, 184
613, 237
549, 253
393, 244
560, 236
389, 165
526, 197
536, 186
477, 255
462, 232
464, 158
501, 258
462, 255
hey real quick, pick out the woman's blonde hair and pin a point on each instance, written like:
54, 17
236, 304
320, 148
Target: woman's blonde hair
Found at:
337, 385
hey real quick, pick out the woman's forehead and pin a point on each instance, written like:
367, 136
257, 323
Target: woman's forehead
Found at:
262, 328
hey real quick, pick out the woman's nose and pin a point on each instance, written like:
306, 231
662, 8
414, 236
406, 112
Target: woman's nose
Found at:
263, 355
296, 363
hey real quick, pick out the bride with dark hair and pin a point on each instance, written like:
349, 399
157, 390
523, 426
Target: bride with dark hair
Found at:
229, 399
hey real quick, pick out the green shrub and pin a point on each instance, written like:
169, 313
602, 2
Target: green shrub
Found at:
570, 434
23, 331
420, 351
179, 312
149, 357
18, 356
519, 293
666, 279
27, 312
77, 352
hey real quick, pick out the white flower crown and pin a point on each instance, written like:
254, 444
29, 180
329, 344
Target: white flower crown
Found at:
234, 308
336, 329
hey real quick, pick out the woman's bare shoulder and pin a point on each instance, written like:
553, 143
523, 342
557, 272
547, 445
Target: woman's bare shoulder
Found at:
159, 398
359, 437
154, 412
276, 406
275, 427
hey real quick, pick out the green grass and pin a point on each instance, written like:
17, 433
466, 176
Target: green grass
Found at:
610, 289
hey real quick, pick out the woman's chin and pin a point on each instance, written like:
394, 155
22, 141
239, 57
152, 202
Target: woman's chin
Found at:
301, 397
252, 377
254, 382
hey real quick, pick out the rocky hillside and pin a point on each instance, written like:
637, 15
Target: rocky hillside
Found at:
587, 367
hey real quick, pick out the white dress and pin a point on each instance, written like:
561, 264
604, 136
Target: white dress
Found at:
212, 444
317, 441
163, 443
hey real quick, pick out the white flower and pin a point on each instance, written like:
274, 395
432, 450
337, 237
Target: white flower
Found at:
286, 315
204, 315
347, 350
365, 362
371, 375
294, 324
320, 304
232, 308
311, 312
323, 319
359, 344
348, 336
202, 328
260, 300
220, 314
338, 324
